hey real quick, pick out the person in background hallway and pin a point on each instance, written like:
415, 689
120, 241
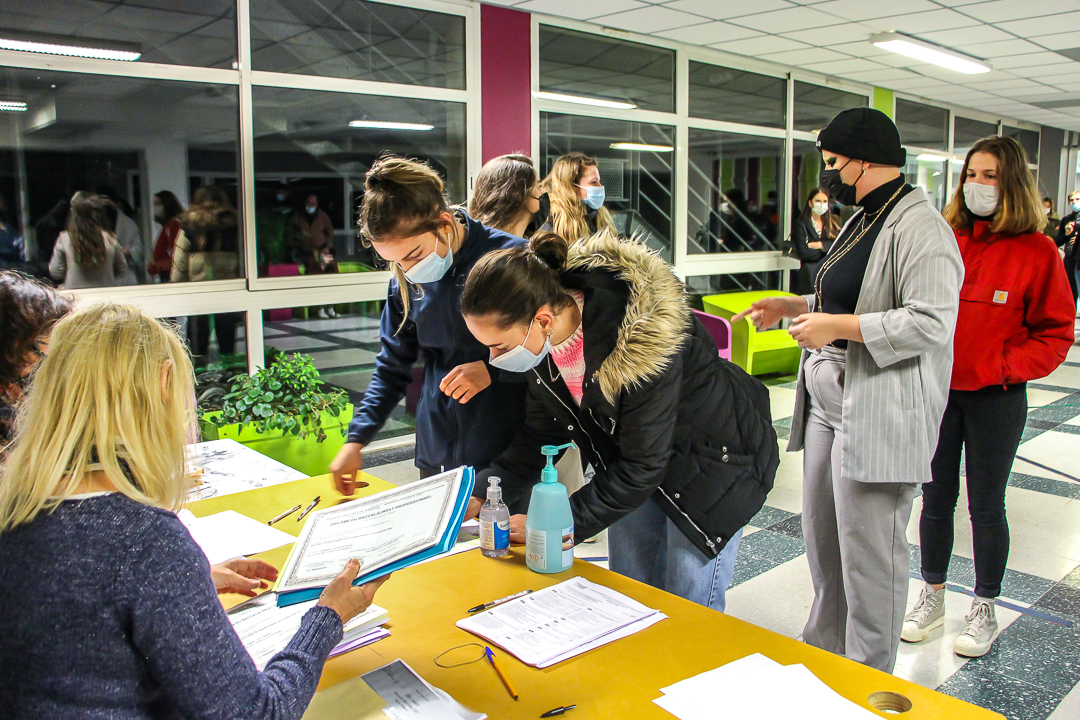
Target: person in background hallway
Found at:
468, 410
167, 211
208, 248
873, 383
315, 232
507, 196
1068, 234
577, 198
87, 254
1015, 325
49, 226
682, 442
28, 310
90, 484
121, 221
1050, 228
812, 235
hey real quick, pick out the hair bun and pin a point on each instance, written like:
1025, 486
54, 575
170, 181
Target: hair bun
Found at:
551, 248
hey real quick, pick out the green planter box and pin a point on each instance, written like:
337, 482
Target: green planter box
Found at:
306, 455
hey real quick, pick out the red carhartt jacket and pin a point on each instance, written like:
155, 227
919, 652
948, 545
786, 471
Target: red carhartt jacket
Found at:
1016, 312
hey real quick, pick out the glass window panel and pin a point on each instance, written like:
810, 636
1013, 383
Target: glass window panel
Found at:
304, 147
734, 186
359, 40
639, 185
921, 125
930, 176
343, 341
720, 93
700, 286
199, 33
592, 66
966, 132
218, 353
816, 105
1028, 139
127, 138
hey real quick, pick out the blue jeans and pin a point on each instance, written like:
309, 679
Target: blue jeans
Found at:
648, 547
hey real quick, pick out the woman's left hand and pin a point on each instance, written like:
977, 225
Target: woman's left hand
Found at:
465, 381
242, 576
814, 330
517, 529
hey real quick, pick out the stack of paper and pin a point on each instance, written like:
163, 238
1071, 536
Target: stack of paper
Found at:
409, 697
265, 629
758, 687
224, 467
561, 621
229, 534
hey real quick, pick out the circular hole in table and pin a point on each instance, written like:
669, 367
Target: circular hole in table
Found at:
889, 702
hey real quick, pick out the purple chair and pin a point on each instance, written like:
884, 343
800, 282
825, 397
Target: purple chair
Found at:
720, 329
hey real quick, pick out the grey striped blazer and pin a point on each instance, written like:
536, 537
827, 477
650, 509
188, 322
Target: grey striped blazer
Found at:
897, 381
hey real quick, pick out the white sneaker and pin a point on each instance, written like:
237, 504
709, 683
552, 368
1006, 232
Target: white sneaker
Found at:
331, 312
322, 313
928, 614
980, 631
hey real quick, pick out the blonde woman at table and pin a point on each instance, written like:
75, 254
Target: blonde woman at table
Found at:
107, 605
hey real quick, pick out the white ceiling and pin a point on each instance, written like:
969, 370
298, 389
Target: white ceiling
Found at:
1019, 38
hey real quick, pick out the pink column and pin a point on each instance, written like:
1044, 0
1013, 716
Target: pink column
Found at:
505, 81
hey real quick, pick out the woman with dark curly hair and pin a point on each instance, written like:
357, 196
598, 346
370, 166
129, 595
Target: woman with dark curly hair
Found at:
28, 310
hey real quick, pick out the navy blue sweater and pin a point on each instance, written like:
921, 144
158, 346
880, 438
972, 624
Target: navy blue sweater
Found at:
448, 434
107, 610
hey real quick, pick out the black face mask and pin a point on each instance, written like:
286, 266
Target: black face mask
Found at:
838, 189
540, 216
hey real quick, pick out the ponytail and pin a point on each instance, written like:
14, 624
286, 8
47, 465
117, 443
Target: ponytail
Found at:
510, 285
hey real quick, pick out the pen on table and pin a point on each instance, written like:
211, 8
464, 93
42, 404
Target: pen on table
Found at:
309, 508
500, 601
502, 675
283, 515
558, 711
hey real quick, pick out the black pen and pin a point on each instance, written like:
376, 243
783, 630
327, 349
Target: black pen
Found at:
309, 508
283, 515
558, 711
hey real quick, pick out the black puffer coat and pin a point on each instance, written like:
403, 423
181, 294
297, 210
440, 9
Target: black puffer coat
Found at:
661, 414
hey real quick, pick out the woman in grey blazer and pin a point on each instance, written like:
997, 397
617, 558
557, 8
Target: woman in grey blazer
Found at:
873, 383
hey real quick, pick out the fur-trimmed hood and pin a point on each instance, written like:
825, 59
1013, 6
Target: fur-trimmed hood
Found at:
657, 317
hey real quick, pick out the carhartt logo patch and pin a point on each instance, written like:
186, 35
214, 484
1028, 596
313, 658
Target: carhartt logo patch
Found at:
1001, 296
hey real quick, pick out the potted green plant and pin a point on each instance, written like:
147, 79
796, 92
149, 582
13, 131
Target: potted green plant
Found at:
283, 412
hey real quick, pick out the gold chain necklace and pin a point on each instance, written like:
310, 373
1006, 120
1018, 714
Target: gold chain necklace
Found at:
832, 259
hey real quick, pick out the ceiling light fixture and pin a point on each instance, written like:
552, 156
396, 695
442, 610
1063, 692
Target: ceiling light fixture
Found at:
380, 125
928, 53
930, 157
12, 106
640, 147
579, 100
50, 48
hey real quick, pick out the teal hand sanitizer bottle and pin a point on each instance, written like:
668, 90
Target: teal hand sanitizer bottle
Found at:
549, 524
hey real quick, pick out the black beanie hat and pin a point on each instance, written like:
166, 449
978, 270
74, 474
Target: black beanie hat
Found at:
864, 134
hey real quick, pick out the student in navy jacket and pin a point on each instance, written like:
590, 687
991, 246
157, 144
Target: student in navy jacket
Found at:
468, 411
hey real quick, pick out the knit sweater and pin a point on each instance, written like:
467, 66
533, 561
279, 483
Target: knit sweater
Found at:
107, 610
569, 355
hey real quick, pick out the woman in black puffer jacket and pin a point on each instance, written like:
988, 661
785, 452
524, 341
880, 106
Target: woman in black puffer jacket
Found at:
681, 441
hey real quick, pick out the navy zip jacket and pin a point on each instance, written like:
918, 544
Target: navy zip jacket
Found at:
448, 434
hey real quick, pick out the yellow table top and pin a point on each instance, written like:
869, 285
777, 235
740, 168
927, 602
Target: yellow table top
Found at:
619, 680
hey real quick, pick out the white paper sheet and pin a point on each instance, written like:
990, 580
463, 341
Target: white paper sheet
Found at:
409, 697
558, 622
229, 534
379, 530
224, 467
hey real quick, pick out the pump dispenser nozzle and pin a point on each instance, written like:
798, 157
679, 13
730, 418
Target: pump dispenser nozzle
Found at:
494, 492
549, 474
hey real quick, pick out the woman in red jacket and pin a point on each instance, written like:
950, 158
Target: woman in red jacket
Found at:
1015, 324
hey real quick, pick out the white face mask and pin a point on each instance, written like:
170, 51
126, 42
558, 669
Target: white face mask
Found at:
981, 199
1046, 211
820, 208
521, 359
432, 268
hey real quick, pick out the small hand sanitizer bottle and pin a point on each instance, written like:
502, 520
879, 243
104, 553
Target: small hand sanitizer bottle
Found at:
494, 523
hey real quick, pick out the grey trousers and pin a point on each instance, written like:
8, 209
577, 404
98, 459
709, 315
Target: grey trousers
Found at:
855, 534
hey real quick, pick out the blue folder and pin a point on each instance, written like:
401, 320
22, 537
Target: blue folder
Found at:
445, 544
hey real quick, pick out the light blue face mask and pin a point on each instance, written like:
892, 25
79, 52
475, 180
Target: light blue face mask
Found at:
594, 196
432, 268
520, 359
1076, 207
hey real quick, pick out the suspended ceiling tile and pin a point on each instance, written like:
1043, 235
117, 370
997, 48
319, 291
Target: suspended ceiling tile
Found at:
881, 75
1009, 87
1034, 27
801, 58
648, 19
831, 36
1060, 41
760, 45
709, 33
843, 67
1005, 10
790, 20
965, 35
958, 3
917, 23
1068, 86
580, 10
869, 9
724, 9
1039, 59
999, 49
